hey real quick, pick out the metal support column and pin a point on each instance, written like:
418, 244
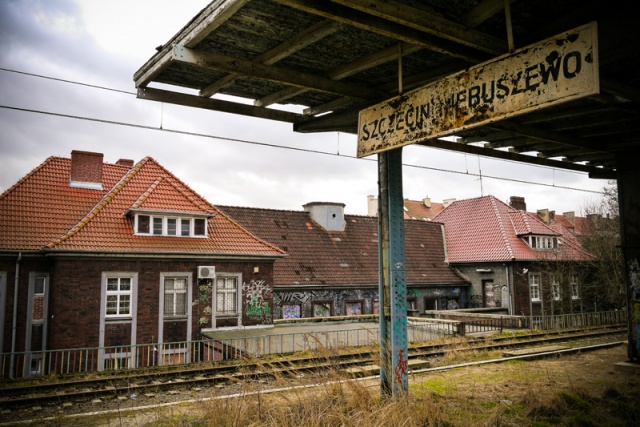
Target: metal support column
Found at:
392, 288
628, 171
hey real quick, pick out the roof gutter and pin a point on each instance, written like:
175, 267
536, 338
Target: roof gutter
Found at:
163, 255
14, 324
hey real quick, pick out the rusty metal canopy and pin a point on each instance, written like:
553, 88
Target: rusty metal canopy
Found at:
339, 57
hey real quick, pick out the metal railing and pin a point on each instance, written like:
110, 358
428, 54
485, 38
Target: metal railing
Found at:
419, 329
576, 320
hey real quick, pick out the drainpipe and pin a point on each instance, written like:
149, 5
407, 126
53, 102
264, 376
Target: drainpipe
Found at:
14, 325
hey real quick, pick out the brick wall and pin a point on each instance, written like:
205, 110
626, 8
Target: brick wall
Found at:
75, 299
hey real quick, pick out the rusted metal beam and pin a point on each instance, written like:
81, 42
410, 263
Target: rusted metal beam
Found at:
218, 62
159, 95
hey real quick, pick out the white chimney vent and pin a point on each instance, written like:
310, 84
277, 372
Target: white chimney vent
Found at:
329, 216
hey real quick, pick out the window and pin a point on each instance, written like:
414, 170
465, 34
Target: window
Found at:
171, 226
161, 225
143, 223
175, 296
185, 226
199, 226
575, 289
157, 225
555, 287
227, 295
541, 242
118, 296
322, 309
430, 303
534, 284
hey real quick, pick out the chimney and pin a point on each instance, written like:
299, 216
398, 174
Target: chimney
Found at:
426, 202
329, 216
543, 214
518, 203
372, 206
552, 217
125, 162
570, 216
86, 170
447, 202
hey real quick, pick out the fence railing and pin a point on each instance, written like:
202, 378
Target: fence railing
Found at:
419, 329
577, 320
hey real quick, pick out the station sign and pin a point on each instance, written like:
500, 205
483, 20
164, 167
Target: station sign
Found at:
556, 70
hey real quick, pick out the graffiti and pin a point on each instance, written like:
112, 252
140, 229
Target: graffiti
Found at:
257, 295
476, 301
402, 367
291, 311
452, 304
353, 308
634, 278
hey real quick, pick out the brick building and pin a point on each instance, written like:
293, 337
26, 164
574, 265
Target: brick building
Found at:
332, 263
530, 263
105, 255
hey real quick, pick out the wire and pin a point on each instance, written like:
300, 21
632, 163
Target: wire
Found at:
264, 144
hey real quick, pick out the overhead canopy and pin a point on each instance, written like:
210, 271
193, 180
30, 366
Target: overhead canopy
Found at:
339, 57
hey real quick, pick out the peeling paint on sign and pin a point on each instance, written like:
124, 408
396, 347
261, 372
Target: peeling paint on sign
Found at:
556, 70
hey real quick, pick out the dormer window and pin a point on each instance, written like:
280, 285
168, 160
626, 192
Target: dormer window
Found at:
169, 225
541, 243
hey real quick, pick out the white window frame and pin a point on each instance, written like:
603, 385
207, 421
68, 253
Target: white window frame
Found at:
163, 318
187, 295
238, 294
535, 284
119, 294
575, 286
541, 243
153, 218
556, 292
131, 319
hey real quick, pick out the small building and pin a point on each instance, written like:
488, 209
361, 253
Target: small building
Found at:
332, 263
528, 263
105, 255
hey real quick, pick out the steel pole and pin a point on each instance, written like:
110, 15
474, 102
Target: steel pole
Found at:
392, 277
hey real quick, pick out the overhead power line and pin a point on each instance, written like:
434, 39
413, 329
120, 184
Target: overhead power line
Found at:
284, 147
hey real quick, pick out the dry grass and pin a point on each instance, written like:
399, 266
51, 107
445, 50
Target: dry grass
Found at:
580, 390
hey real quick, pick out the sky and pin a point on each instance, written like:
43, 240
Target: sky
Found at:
66, 83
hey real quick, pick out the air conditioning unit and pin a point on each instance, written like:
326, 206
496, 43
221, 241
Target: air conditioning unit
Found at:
206, 271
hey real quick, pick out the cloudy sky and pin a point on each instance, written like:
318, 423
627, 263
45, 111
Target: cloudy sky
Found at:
66, 83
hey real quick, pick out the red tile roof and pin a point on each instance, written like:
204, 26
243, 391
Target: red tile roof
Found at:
320, 257
42, 211
414, 209
486, 229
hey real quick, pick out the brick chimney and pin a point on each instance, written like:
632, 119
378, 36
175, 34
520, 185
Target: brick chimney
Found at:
125, 162
86, 170
570, 216
518, 203
543, 214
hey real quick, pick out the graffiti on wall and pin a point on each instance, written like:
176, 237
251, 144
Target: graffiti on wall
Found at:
257, 295
634, 301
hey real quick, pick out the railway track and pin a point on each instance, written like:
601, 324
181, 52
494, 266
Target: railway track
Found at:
70, 395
